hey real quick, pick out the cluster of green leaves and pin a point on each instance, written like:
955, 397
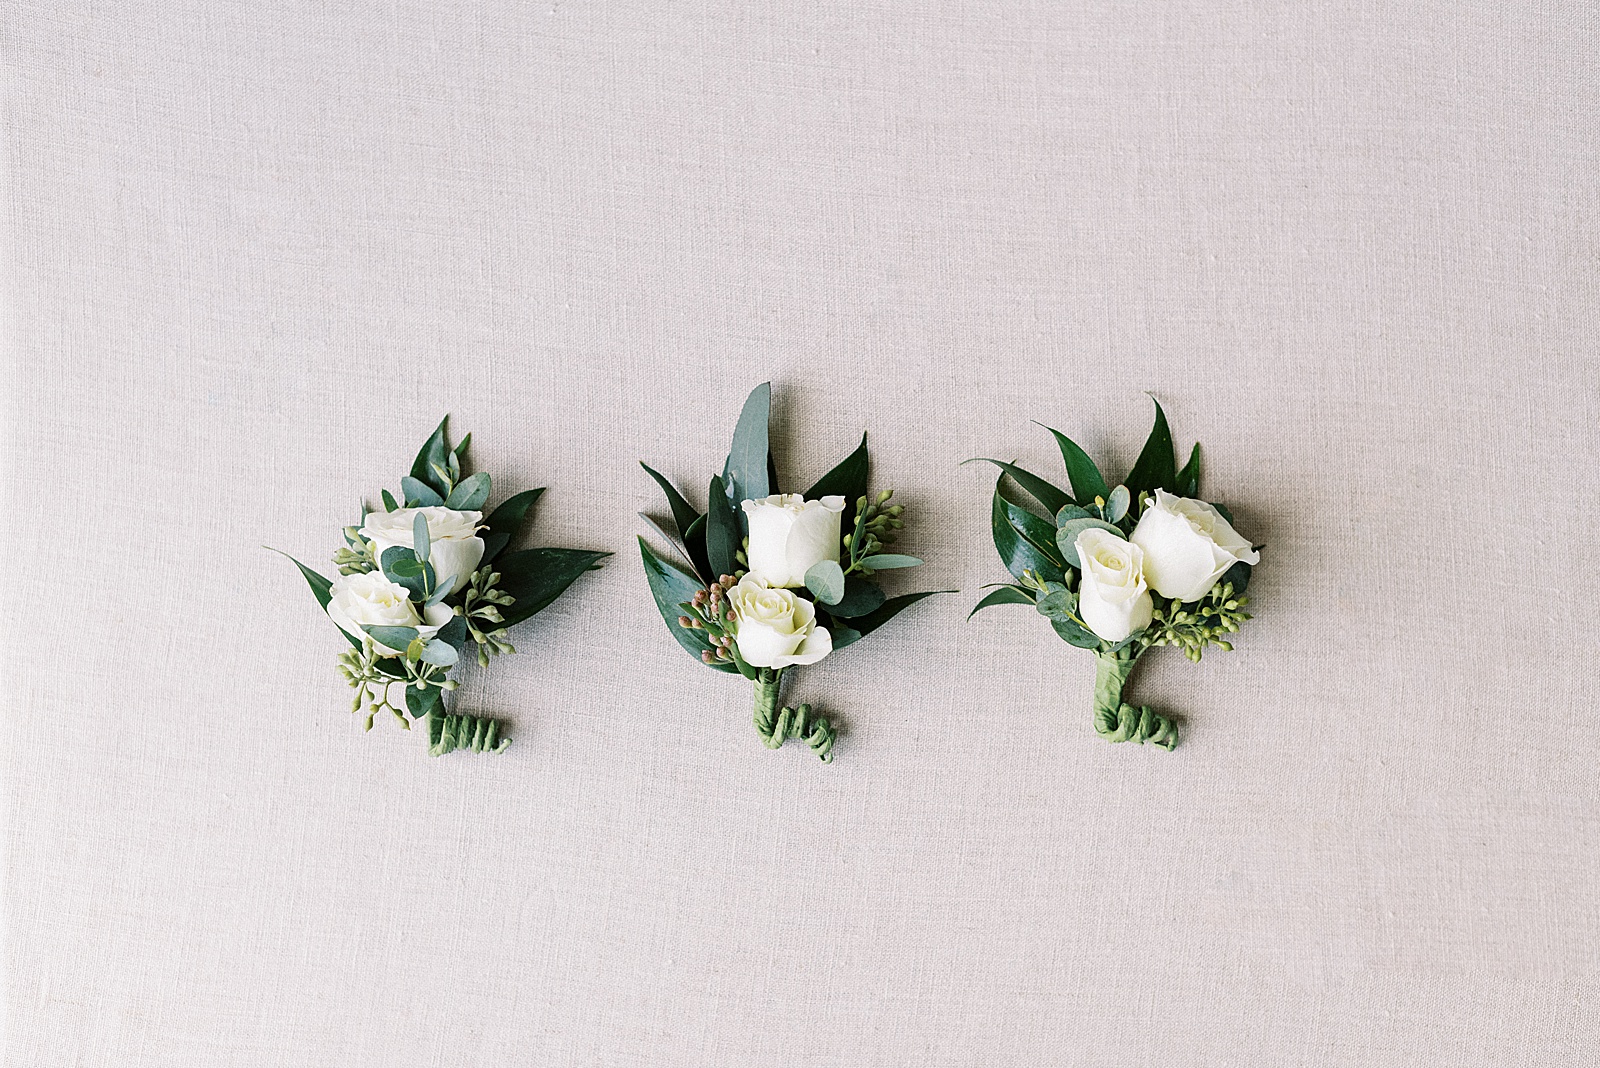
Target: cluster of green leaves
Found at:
709, 545
507, 588
1037, 539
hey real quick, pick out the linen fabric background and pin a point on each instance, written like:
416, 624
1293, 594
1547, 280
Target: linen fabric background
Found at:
253, 251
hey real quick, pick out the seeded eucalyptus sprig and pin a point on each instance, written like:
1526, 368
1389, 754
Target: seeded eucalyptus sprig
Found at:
1039, 543
699, 585
421, 580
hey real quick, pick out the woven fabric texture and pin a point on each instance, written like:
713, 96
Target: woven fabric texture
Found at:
253, 251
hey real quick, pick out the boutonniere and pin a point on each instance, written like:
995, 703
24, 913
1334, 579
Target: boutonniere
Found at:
1123, 569
425, 582
766, 581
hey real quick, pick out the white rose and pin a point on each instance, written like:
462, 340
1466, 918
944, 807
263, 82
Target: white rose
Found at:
376, 601
1187, 546
776, 628
1112, 597
788, 534
454, 548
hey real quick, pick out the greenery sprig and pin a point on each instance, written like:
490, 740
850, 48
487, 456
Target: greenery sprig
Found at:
1038, 542
435, 590
696, 586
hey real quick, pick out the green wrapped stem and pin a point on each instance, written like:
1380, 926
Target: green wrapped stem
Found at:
448, 732
1116, 721
780, 724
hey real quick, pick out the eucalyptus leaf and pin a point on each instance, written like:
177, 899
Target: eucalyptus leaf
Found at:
414, 650
438, 653
404, 569
825, 579
431, 455
671, 586
1067, 537
889, 561
1071, 512
421, 543
744, 476
1057, 604
536, 577
1087, 482
470, 493
393, 637
1156, 466
860, 598
1052, 498
419, 494
1073, 633
1003, 595
1117, 504
723, 532
421, 702
442, 591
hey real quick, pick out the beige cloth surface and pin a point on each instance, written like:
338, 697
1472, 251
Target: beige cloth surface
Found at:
253, 250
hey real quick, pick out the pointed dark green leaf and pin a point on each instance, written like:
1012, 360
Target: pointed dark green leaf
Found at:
321, 588
1004, 595
389, 503
670, 537
825, 579
744, 476
433, 452
1087, 482
1188, 481
672, 586
847, 479
419, 494
1053, 498
1239, 575
683, 513
536, 577
860, 598
506, 520
454, 632
694, 540
470, 493
724, 536
864, 625
1156, 465
1018, 553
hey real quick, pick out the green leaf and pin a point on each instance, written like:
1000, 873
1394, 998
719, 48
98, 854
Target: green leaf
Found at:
420, 702
321, 588
432, 452
1188, 481
694, 541
1004, 595
1017, 552
1117, 504
454, 632
404, 569
439, 654
441, 591
401, 565
1087, 482
724, 535
1057, 604
506, 520
1074, 634
683, 513
1071, 512
847, 479
470, 493
536, 577
1224, 510
889, 561
389, 504
864, 625
1239, 575
1051, 497
1156, 465
671, 586
393, 637
860, 598
1067, 537
420, 542
744, 476
669, 536
826, 580
419, 494
459, 453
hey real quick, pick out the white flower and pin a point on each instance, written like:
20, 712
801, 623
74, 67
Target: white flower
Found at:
376, 601
1187, 546
1112, 597
454, 548
776, 628
788, 534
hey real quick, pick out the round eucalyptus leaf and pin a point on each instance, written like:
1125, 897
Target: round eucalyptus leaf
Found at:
1067, 537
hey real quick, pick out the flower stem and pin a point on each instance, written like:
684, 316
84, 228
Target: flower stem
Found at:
776, 725
1116, 721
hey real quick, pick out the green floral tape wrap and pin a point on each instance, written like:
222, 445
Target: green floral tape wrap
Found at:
448, 732
1117, 721
777, 725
